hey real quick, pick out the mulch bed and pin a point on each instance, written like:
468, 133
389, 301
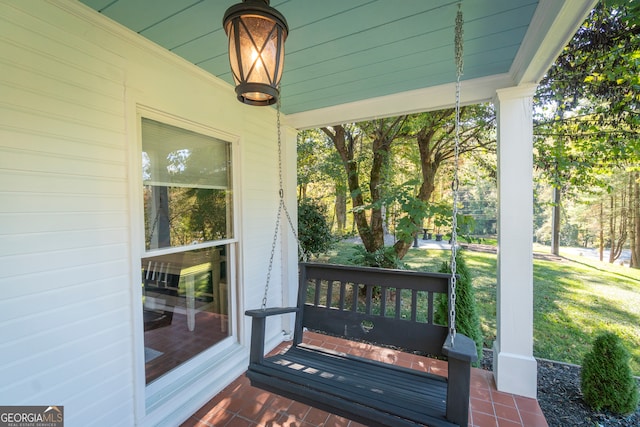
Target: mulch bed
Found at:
560, 398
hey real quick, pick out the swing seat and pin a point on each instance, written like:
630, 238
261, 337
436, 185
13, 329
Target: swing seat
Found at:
380, 306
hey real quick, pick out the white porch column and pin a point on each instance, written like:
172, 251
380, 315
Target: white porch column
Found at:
514, 367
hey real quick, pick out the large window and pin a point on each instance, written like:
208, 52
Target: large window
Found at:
187, 201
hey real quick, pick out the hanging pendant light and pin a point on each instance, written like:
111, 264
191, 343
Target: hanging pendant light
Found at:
257, 33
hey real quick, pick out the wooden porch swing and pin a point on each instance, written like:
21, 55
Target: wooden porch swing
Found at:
364, 390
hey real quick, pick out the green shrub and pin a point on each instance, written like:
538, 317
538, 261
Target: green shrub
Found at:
314, 232
384, 257
467, 319
607, 382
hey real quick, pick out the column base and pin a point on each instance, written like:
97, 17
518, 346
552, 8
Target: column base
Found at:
515, 373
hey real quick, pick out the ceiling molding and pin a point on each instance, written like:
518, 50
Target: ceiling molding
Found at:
526, 90
553, 25
416, 101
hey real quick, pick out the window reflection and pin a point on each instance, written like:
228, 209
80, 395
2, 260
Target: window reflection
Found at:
185, 306
178, 216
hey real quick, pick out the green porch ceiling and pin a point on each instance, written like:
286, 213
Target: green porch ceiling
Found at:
342, 51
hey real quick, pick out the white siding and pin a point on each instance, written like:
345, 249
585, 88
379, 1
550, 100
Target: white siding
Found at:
70, 83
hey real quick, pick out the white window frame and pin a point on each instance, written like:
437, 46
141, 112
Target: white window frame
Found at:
152, 397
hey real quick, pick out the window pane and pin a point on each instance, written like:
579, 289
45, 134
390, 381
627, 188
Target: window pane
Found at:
178, 157
187, 191
178, 216
185, 306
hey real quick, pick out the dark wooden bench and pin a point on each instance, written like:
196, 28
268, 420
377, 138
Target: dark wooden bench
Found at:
389, 307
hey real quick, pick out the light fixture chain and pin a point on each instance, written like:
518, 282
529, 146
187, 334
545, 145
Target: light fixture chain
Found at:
458, 41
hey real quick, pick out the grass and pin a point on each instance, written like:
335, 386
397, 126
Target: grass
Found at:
575, 298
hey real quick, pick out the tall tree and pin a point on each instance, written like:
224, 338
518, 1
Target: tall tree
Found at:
433, 133
383, 133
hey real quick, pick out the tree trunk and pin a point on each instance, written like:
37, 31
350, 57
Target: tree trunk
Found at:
382, 133
601, 226
634, 228
341, 208
381, 152
344, 143
618, 223
555, 222
612, 228
429, 167
160, 235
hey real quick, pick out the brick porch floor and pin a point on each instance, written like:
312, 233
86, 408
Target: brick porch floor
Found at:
239, 404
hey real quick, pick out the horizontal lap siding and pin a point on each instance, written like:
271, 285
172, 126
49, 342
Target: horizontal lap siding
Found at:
70, 86
65, 313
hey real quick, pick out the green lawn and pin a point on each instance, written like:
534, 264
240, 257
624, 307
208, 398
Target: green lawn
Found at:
574, 299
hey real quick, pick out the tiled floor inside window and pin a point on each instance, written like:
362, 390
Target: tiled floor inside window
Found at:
239, 404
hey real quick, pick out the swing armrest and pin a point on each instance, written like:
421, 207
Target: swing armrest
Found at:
463, 348
266, 312
461, 354
258, 328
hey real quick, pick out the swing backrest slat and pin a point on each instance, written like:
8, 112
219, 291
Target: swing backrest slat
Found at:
390, 307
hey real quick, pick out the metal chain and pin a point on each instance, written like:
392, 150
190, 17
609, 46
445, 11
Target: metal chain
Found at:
281, 207
155, 220
303, 256
273, 251
455, 183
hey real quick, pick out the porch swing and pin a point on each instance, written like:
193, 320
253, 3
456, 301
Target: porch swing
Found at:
339, 301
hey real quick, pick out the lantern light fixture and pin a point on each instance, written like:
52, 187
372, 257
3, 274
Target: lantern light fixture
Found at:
257, 33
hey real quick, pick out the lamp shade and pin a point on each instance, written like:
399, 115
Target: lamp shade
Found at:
257, 33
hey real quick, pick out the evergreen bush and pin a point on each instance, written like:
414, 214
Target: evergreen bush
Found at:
467, 319
606, 379
384, 257
314, 232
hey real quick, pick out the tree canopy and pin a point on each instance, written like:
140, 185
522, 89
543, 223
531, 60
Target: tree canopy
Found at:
588, 116
590, 97
586, 147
